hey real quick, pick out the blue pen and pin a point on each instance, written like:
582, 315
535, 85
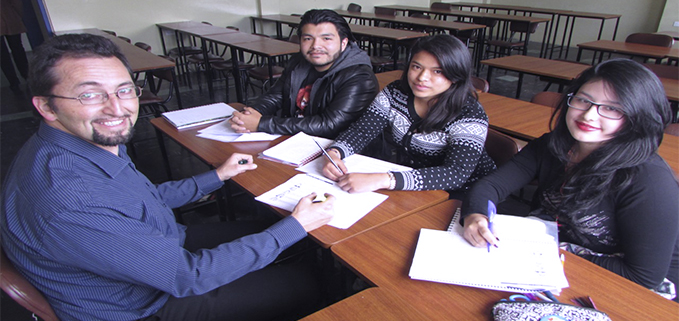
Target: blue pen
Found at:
550, 296
491, 217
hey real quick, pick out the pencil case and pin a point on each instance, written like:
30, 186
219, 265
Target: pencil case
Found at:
544, 311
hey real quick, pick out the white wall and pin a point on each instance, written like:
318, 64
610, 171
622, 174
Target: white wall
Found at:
637, 15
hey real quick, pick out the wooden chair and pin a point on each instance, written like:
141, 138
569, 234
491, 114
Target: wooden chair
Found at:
547, 98
353, 7
443, 6
385, 12
480, 84
126, 39
500, 147
505, 47
22, 291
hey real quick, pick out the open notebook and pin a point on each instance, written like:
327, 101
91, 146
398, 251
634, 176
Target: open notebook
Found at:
527, 259
297, 150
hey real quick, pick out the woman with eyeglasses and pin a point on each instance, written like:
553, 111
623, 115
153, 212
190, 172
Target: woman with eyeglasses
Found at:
615, 200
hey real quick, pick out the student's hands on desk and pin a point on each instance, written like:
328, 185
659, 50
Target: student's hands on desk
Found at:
353, 182
314, 215
245, 121
236, 164
477, 232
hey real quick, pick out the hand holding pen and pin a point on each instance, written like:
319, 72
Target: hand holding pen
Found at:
334, 167
477, 230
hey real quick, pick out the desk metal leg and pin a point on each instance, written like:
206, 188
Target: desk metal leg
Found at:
236, 75
163, 152
518, 87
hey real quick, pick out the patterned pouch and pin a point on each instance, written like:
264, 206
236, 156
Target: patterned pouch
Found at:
544, 311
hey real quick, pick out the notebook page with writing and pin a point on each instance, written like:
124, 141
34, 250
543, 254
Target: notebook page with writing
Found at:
297, 150
349, 208
527, 258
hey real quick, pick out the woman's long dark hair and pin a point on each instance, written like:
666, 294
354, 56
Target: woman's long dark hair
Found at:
647, 113
455, 62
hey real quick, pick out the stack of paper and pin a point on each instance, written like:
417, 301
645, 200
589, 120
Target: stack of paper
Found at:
355, 163
195, 116
224, 133
527, 259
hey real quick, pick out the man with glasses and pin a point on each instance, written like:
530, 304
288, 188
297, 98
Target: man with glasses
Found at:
100, 241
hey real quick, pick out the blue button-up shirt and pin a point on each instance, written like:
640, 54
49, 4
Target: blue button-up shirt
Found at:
101, 241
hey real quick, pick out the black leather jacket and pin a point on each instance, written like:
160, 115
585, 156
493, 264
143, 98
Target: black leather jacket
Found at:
337, 99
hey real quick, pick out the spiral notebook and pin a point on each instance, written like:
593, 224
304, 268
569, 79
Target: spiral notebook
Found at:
527, 259
297, 150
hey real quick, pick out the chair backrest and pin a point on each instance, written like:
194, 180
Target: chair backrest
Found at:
126, 39
652, 39
501, 148
441, 6
294, 38
421, 15
110, 32
672, 129
353, 7
385, 11
488, 22
23, 292
143, 46
480, 84
547, 98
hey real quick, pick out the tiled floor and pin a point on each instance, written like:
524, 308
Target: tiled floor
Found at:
17, 124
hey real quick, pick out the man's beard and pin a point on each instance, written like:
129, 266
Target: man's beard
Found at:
115, 140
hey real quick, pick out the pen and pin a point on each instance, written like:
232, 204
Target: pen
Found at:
550, 296
328, 156
491, 216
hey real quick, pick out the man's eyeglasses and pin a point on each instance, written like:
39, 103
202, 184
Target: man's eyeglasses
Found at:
585, 104
94, 98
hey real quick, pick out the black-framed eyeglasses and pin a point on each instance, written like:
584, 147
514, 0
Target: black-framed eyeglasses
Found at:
94, 98
585, 104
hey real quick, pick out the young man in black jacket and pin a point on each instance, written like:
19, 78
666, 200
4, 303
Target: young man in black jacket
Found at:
323, 89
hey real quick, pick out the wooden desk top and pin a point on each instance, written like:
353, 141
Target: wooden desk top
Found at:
235, 38
538, 66
379, 32
369, 304
383, 257
195, 28
271, 174
635, 49
268, 47
472, 14
441, 24
140, 60
561, 70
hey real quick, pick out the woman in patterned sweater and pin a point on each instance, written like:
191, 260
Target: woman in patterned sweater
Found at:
429, 120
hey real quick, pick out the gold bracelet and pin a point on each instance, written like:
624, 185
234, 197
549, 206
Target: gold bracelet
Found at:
392, 180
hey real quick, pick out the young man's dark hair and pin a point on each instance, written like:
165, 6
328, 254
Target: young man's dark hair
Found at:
316, 16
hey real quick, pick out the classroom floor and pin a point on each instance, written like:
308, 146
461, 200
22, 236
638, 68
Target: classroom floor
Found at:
17, 124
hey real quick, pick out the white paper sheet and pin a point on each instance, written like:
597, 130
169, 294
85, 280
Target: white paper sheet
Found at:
224, 133
349, 208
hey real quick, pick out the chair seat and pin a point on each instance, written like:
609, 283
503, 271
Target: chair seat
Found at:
262, 73
505, 43
187, 51
199, 58
148, 97
228, 65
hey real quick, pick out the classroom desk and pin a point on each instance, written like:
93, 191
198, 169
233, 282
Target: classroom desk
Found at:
191, 28
528, 121
369, 304
634, 49
470, 14
383, 257
563, 70
396, 36
569, 24
270, 174
254, 44
140, 60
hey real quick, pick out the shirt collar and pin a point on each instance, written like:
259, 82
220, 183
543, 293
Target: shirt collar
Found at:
109, 163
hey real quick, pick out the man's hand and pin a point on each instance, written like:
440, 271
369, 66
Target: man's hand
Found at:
236, 164
245, 121
314, 215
